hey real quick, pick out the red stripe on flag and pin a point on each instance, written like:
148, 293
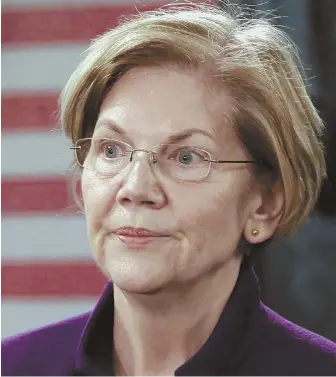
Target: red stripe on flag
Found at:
62, 25
61, 279
33, 111
34, 195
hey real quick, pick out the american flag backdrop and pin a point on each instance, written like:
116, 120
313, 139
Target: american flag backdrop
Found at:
47, 269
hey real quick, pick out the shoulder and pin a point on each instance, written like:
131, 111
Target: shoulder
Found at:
295, 350
48, 350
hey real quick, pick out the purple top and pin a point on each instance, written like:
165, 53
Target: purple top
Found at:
249, 339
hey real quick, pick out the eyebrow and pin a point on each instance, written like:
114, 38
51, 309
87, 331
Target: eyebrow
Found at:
111, 126
180, 136
183, 135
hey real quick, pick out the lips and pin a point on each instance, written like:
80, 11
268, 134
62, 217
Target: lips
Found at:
137, 232
137, 237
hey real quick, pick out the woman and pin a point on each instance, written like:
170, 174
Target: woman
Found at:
195, 141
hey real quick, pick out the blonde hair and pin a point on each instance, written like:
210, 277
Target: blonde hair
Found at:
273, 114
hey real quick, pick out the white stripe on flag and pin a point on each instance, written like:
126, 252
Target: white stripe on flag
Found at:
42, 4
44, 238
38, 313
36, 67
31, 154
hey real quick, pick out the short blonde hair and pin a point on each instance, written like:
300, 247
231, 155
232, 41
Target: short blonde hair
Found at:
273, 114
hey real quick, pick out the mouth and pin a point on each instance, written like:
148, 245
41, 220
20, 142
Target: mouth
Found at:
137, 237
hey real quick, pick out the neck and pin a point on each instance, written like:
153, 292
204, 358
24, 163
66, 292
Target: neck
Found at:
155, 333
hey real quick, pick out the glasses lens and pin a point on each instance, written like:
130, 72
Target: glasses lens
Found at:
184, 162
82, 150
104, 156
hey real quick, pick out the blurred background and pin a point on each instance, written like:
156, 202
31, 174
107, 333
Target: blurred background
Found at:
47, 271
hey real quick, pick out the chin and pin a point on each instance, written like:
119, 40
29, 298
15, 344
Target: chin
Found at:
137, 278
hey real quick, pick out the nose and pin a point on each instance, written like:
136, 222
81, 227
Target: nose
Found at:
139, 185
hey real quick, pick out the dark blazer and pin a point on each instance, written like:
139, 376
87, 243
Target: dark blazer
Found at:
249, 339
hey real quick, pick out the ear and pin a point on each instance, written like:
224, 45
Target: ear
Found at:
265, 213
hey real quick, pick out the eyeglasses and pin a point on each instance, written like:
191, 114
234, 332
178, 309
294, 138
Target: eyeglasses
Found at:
109, 157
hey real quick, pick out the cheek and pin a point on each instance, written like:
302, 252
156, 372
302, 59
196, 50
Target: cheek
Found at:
98, 197
213, 212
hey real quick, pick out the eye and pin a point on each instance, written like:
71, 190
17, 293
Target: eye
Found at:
112, 150
188, 156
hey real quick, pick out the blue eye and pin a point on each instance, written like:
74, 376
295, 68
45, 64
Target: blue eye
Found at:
110, 151
185, 157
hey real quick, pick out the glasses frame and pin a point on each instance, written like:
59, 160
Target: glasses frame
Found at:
152, 154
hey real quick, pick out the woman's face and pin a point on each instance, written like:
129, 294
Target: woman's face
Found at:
198, 224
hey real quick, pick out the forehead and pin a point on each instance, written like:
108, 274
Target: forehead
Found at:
160, 101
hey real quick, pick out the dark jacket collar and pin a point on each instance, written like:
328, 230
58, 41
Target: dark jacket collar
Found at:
222, 354
229, 343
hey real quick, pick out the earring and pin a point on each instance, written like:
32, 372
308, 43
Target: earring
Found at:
255, 232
